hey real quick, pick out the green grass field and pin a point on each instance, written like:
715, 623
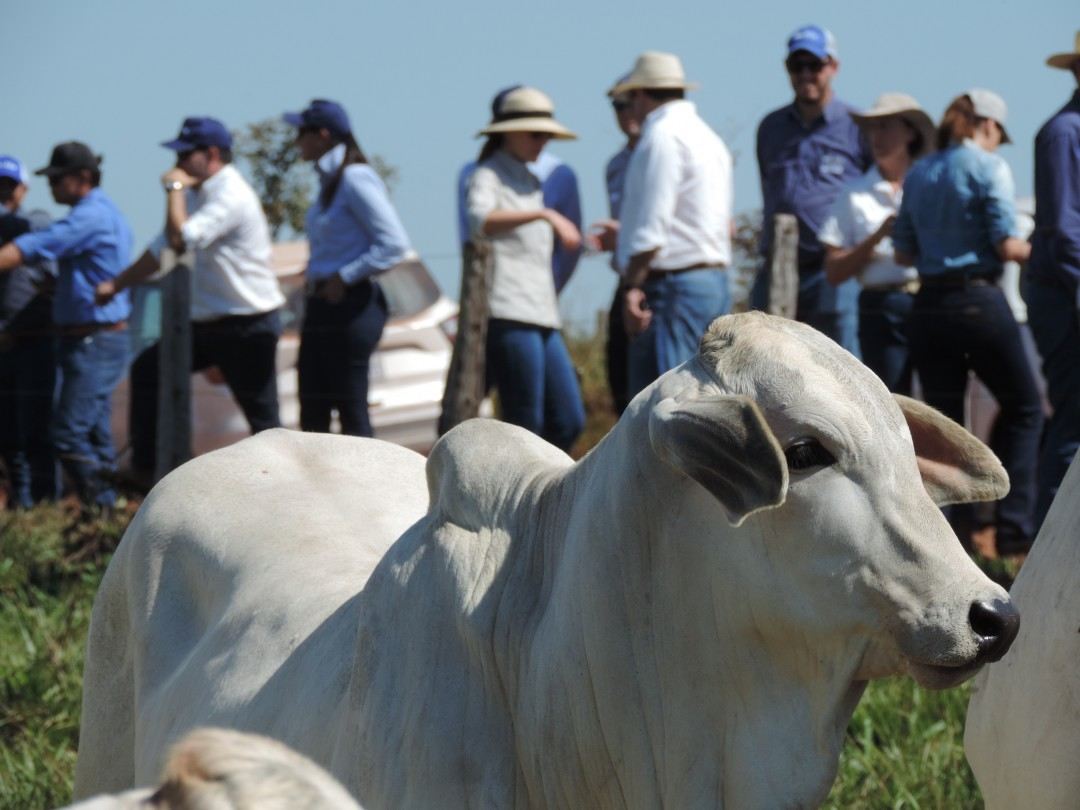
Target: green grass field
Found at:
903, 750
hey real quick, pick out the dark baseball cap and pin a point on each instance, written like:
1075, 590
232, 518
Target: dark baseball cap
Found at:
322, 114
199, 132
70, 157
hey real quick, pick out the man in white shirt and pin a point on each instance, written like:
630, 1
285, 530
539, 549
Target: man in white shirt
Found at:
674, 237
235, 297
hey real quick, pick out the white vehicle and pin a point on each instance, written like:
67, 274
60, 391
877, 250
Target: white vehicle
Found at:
408, 370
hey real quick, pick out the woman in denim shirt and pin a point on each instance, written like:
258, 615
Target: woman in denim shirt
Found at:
526, 357
354, 233
957, 225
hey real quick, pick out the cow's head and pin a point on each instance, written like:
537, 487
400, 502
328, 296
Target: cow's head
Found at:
836, 486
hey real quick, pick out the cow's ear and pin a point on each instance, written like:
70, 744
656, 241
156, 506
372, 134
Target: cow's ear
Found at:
725, 445
955, 466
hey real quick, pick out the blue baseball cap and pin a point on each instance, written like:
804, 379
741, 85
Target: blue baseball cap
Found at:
12, 168
813, 39
322, 114
199, 132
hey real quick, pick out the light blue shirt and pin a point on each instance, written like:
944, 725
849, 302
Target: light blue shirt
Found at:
958, 204
359, 233
90, 245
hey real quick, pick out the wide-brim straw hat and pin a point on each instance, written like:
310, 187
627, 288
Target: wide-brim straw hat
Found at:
1065, 61
655, 70
526, 109
903, 106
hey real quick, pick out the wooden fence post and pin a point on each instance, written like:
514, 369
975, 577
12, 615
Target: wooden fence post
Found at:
173, 441
465, 381
784, 266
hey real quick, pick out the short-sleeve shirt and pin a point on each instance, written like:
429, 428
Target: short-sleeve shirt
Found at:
804, 167
958, 205
90, 245
522, 288
856, 214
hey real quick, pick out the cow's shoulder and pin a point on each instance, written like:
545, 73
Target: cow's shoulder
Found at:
482, 470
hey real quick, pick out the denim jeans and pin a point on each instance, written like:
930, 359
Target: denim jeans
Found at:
682, 305
883, 336
336, 344
27, 391
537, 384
90, 368
831, 310
954, 330
1055, 325
244, 349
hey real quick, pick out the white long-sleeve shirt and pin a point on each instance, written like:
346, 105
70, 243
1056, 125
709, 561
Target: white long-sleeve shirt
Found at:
678, 196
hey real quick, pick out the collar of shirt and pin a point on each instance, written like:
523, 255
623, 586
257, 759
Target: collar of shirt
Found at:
671, 109
330, 162
834, 109
879, 185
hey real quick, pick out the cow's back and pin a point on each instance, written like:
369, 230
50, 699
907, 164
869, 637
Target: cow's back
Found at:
233, 588
1023, 724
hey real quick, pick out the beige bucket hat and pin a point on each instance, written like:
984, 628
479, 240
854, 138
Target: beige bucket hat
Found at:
902, 106
526, 109
1065, 61
654, 70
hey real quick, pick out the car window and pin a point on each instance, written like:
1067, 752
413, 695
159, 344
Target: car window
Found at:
409, 288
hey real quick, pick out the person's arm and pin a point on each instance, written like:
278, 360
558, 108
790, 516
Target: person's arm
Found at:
1000, 210
561, 193
485, 219
842, 263
64, 237
10, 257
645, 229
176, 213
144, 267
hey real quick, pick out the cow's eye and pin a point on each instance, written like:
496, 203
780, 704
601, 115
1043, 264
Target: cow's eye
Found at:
803, 454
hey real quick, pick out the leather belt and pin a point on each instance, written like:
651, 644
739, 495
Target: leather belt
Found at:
956, 281
86, 329
655, 271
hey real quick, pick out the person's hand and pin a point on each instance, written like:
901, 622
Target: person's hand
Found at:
105, 292
636, 315
565, 230
602, 235
885, 229
177, 175
333, 289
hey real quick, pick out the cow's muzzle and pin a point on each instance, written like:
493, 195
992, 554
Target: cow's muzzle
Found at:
996, 625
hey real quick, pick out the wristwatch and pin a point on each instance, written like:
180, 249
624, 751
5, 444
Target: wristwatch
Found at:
173, 185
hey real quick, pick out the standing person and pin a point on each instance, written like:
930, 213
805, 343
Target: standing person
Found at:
1052, 288
90, 245
807, 151
674, 239
957, 225
235, 298
604, 237
354, 233
27, 354
526, 357
560, 187
857, 232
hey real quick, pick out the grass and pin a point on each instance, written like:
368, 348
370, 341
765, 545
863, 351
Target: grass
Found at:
903, 748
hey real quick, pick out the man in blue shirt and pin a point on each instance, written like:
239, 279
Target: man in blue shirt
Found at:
90, 245
560, 187
807, 152
27, 354
1052, 283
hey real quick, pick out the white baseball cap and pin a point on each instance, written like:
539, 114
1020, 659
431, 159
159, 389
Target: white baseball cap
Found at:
989, 104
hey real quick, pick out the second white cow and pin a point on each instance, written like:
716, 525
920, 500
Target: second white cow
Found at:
685, 618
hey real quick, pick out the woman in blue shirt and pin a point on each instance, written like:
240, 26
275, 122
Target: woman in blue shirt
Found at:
353, 233
957, 226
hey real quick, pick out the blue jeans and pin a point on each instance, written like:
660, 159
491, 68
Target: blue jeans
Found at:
883, 336
536, 381
27, 390
90, 368
682, 305
1055, 325
954, 330
831, 310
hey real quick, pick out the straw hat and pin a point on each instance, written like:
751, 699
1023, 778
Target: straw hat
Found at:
526, 109
902, 106
1065, 60
654, 70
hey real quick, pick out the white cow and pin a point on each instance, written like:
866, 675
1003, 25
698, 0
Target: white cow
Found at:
685, 618
1023, 724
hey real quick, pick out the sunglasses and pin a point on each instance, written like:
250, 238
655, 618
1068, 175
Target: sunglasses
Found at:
538, 135
620, 106
180, 156
796, 66
306, 129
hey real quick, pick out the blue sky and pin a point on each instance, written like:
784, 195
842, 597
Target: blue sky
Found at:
417, 77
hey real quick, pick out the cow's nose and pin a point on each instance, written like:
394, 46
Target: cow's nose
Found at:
996, 624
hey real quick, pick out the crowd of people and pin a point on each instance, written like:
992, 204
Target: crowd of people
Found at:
903, 231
